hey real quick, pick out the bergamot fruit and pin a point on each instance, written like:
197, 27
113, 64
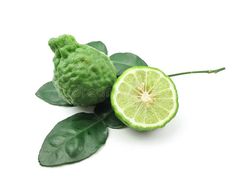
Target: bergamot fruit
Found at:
144, 98
82, 75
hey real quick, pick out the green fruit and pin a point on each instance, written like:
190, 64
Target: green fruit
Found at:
144, 98
83, 75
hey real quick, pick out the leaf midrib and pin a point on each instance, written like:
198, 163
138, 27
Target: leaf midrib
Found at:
80, 132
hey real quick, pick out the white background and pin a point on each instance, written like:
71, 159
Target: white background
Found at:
171, 35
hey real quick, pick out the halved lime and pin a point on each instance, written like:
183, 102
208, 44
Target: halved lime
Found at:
144, 98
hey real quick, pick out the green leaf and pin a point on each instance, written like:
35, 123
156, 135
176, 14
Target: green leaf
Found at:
105, 111
99, 46
73, 139
123, 61
48, 93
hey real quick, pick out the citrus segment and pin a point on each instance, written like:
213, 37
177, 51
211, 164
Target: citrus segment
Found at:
144, 98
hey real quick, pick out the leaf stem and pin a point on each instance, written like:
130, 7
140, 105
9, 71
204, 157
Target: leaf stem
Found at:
202, 71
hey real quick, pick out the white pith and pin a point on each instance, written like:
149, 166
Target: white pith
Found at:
145, 97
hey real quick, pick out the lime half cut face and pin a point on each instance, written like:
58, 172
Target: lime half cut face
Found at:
144, 98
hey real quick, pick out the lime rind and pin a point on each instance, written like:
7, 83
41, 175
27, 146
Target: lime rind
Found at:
129, 121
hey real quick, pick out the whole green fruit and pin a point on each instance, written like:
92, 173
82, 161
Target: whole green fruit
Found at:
83, 75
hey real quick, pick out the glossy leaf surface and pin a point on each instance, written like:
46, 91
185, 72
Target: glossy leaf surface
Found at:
73, 140
99, 46
49, 94
123, 61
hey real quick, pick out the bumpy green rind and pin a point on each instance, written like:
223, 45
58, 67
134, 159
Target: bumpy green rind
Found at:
83, 75
123, 119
